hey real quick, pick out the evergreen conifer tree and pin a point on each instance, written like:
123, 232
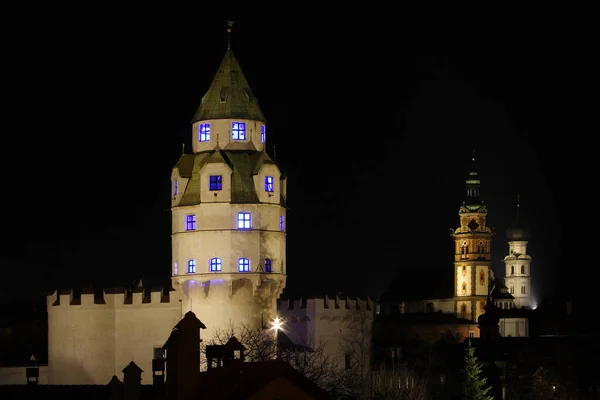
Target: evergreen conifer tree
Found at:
474, 385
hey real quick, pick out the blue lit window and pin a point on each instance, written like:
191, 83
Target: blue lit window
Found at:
268, 265
269, 185
244, 220
190, 222
263, 134
176, 268
238, 131
175, 187
215, 265
192, 267
244, 265
216, 182
204, 132
281, 223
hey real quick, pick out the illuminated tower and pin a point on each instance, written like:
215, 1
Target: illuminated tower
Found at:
518, 265
228, 210
472, 254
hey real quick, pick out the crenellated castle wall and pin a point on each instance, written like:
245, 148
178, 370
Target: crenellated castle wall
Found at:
342, 324
92, 336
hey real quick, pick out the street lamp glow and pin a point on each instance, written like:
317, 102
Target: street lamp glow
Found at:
277, 324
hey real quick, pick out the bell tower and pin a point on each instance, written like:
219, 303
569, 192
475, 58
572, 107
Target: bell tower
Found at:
472, 251
228, 204
518, 265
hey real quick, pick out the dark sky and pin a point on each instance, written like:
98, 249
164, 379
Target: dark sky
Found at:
373, 121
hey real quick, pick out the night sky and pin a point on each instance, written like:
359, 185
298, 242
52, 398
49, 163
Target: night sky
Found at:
373, 122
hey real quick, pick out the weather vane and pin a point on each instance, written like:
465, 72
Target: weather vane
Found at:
229, 28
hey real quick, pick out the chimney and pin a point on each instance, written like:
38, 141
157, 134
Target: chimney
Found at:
183, 357
132, 380
32, 371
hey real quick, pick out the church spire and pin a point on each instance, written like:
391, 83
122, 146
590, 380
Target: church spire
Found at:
473, 183
229, 95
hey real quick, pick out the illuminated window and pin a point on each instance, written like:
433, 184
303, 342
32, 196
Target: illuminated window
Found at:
263, 134
464, 288
244, 220
471, 334
175, 187
192, 267
268, 265
238, 131
175, 268
269, 185
215, 265
190, 222
523, 269
204, 132
523, 290
244, 265
282, 223
216, 182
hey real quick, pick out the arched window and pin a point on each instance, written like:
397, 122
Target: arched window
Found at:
191, 266
512, 269
523, 269
215, 265
464, 288
244, 265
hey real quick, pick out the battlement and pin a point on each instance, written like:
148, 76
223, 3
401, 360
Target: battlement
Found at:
117, 297
327, 302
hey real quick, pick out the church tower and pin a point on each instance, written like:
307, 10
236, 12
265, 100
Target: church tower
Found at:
472, 251
518, 265
228, 203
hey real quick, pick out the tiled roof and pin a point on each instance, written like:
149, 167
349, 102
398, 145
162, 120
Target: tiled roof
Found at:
229, 95
244, 164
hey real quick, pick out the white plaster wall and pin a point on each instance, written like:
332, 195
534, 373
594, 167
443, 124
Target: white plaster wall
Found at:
18, 375
89, 343
514, 327
220, 130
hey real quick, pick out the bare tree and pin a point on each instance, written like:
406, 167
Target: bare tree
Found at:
397, 381
312, 360
357, 350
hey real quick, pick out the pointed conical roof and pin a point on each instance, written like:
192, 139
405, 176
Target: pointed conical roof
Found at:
229, 95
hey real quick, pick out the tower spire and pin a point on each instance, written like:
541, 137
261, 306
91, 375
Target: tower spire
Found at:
518, 205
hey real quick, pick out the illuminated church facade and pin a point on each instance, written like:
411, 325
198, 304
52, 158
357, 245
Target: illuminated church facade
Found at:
474, 282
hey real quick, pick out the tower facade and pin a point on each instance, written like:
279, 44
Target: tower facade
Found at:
472, 252
518, 268
228, 210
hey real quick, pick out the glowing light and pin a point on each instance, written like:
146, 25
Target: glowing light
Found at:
277, 324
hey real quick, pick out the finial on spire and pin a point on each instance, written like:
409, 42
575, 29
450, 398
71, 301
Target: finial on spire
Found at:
229, 28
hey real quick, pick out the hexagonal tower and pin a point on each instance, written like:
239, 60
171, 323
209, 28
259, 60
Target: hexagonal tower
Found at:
228, 210
518, 265
472, 254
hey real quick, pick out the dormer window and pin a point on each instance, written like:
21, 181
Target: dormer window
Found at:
269, 184
204, 132
216, 182
175, 187
263, 133
190, 222
238, 131
268, 265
